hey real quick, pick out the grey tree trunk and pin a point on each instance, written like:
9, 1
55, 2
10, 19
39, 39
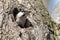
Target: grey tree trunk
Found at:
39, 18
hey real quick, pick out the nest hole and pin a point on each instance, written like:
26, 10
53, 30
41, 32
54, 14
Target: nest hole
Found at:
27, 23
15, 12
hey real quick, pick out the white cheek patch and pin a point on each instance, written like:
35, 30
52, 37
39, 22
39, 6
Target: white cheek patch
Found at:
20, 14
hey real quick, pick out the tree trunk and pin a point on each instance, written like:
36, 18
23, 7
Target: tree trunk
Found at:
38, 18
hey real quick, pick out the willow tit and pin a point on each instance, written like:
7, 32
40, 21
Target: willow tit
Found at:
21, 18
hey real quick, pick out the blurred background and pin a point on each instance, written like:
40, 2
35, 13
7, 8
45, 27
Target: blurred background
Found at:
50, 4
53, 8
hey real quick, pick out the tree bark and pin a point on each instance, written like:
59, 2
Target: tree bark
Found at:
38, 17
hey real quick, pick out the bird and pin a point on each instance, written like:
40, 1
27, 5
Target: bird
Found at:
21, 18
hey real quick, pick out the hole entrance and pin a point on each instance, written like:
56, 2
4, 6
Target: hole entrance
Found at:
27, 23
15, 12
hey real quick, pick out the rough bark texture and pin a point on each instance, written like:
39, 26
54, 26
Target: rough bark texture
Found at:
39, 18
